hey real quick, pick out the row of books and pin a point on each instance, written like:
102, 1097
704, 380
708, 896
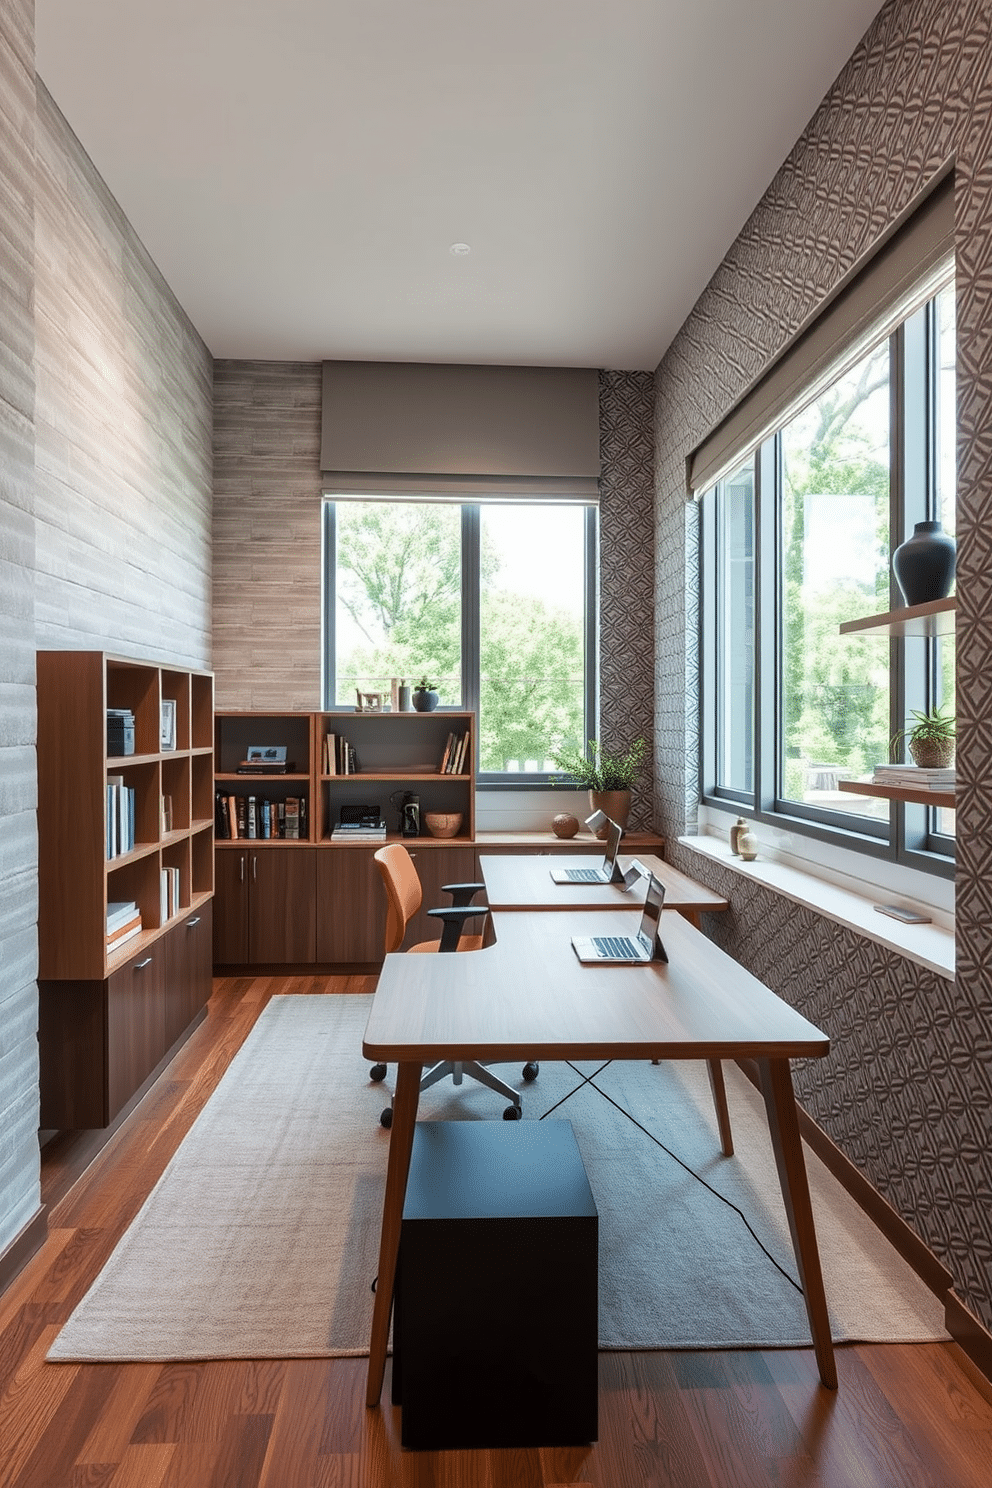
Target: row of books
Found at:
917, 776
169, 894
258, 817
123, 922
120, 816
455, 751
338, 756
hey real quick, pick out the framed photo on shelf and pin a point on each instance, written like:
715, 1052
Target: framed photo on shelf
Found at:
167, 730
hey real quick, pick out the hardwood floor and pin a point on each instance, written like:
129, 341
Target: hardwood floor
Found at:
903, 1415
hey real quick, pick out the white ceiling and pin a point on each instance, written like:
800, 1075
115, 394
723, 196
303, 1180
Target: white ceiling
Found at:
299, 169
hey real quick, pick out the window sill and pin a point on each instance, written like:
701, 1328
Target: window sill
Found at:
931, 945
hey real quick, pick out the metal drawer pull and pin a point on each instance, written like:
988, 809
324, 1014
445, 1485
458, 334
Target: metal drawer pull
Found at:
194, 921
139, 964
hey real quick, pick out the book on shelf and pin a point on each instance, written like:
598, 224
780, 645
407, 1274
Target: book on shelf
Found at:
274, 767
241, 808
169, 884
120, 912
359, 833
446, 756
330, 761
120, 816
251, 817
115, 942
292, 818
222, 816
941, 780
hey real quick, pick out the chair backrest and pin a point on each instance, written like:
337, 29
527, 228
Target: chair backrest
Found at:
403, 892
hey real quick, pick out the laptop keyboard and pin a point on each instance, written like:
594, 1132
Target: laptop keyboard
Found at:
584, 875
615, 947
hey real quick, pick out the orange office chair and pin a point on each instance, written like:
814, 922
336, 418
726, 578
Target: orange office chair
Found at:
404, 897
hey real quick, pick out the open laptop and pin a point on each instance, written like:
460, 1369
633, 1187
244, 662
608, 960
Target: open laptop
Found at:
609, 870
623, 950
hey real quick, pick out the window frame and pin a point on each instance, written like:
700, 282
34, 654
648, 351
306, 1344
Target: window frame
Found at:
909, 837
471, 536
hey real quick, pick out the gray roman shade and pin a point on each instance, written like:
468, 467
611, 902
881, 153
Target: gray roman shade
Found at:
901, 276
410, 428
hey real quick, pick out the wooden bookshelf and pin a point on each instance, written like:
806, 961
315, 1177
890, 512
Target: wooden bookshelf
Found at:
109, 1015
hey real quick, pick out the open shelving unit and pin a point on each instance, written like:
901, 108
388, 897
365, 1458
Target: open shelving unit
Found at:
77, 879
109, 1019
936, 618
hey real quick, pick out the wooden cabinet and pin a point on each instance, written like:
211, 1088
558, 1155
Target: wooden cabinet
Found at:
436, 866
351, 906
102, 1040
265, 909
108, 1013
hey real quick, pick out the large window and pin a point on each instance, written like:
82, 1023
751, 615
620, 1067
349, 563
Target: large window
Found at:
493, 602
797, 539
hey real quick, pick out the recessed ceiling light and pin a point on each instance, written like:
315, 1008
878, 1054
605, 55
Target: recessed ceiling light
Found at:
459, 249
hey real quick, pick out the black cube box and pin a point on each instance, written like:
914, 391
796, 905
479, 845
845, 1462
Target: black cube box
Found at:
495, 1328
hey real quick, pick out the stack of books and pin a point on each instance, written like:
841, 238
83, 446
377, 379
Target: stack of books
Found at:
359, 832
917, 777
123, 922
258, 817
266, 767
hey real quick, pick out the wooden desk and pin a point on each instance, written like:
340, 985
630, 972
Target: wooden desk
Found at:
523, 881
527, 997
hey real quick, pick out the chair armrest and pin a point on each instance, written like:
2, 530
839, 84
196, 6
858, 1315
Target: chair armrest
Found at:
461, 893
454, 919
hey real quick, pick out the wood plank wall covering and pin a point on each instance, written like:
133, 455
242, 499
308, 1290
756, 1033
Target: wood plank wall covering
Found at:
907, 1089
123, 427
266, 539
20, 1194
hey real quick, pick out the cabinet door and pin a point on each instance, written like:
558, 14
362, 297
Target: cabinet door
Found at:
135, 1025
187, 972
351, 906
230, 920
436, 866
282, 905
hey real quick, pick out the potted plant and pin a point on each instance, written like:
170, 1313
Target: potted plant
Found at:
607, 777
931, 739
425, 696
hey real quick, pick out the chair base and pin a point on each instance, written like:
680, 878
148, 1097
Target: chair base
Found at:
458, 1069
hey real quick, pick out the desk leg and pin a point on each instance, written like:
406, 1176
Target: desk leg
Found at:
783, 1124
400, 1147
719, 1090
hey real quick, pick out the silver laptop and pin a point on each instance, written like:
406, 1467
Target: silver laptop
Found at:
607, 872
624, 950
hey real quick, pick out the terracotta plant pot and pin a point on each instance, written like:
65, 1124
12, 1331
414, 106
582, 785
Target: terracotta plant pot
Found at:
614, 804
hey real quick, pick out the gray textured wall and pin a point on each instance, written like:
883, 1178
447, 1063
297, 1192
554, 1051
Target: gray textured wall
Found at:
123, 427
105, 495
908, 1086
19, 1187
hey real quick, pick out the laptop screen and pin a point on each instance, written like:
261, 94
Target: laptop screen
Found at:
654, 899
613, 837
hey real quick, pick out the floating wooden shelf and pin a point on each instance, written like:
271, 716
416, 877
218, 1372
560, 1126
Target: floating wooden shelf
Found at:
909, 793
934, 619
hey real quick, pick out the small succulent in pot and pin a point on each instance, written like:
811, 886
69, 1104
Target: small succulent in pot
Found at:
425, 696
931, 738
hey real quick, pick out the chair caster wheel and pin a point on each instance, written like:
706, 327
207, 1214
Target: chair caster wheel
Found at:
530, 1071
513, 1113
377, 1072
386, 1119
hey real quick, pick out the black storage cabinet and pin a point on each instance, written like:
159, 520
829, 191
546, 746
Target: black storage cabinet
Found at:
495, 1327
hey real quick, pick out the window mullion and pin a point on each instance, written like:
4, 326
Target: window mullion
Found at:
768, 626
471, 530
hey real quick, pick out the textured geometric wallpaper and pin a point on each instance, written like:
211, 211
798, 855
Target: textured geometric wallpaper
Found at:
626, 532
907, 1089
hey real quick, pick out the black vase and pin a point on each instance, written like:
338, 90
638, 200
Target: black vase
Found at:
924, 564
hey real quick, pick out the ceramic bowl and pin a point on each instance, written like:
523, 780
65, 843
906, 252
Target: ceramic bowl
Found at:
442, 823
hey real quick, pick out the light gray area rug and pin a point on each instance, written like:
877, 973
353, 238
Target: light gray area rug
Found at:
261, 1238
